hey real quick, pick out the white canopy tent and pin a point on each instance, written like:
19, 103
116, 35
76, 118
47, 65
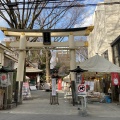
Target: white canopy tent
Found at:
27, 78
98, 64
67, 78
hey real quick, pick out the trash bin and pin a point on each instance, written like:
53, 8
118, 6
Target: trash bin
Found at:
107, 99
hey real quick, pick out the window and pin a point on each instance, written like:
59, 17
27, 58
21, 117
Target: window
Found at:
105, 55
116, 52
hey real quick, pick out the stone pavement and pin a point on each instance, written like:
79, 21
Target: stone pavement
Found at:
104, 110
39, 108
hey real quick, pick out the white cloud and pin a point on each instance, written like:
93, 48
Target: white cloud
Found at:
53, 59
87, 22
3, 23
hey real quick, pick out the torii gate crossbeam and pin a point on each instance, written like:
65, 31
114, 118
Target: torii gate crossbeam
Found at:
84, 31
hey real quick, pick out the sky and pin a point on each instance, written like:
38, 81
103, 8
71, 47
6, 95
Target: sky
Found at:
2, 24
88, 21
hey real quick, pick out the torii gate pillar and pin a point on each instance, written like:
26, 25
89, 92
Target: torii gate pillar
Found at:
72, 56
20, 68
72, 65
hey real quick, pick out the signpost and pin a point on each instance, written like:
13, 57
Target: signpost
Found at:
81, 89
53, 86
54, 94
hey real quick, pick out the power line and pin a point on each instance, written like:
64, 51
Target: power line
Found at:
41, 1
65, 6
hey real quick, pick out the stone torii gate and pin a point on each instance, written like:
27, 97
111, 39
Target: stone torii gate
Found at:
24, 45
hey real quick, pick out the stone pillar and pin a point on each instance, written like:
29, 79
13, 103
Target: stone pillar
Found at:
72, 56
10, 88
47, 67
20, 68
72, 66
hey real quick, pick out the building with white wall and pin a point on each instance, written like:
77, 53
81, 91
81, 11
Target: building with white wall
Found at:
106, 29
105, 37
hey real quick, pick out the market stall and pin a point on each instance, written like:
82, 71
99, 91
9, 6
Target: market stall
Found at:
101, 70
99, 64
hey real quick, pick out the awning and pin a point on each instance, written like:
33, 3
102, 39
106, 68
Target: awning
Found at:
99, 64
27, 78
67, 78
33, 70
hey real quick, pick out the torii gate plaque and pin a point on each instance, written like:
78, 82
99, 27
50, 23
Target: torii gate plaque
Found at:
23, 44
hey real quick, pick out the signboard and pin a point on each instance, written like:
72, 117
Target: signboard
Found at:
115, 78
25, 90
78, 80
47, 86
4, 80
81, 88
53, 86
46, 38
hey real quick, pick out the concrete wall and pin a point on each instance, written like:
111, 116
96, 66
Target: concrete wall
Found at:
1, 57
106, 29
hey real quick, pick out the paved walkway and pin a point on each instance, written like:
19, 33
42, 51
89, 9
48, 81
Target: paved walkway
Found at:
104, 110
39, 105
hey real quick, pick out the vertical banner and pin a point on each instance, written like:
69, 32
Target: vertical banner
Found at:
82, 79
4, 80
53, 86
78, 80
26, 90
115, 78
59, 84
